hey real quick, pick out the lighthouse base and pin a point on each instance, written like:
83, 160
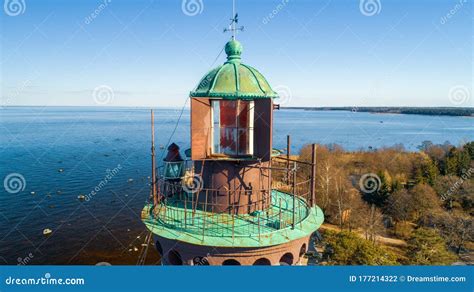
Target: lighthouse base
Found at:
182, 253
279, 235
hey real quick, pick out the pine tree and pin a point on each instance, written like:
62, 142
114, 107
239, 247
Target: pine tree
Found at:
427, 247
464, 162
469, 147
348, 248
452, 161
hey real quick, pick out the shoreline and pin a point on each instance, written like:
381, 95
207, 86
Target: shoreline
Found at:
422, 111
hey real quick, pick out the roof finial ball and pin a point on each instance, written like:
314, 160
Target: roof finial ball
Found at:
233, 49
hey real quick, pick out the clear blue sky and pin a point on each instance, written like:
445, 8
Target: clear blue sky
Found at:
326, 53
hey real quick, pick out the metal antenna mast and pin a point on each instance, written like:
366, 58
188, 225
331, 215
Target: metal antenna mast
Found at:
154, 193
233, 21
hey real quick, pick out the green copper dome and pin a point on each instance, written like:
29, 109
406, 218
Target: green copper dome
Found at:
234, 80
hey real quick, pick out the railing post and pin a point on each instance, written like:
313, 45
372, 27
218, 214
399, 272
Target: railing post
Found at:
294, 196
204, 217
279, 225
288, 151
166, 213
299, 214
313, 174
196, 201
185, 210
233, 221
258, 216
269, 176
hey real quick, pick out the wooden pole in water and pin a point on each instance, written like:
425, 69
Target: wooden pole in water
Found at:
153, 166
313, 174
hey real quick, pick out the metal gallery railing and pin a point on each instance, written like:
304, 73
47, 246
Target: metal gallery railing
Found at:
182, 215
286, 202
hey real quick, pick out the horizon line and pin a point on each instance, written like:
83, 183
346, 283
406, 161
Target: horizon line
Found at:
282, 107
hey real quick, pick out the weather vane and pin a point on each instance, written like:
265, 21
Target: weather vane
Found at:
233, 21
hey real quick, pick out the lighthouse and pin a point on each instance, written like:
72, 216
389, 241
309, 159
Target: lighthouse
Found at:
237, 201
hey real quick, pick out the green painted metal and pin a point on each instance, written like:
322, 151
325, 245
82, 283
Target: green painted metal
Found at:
234, 80
233, 49
276, 152
266, 228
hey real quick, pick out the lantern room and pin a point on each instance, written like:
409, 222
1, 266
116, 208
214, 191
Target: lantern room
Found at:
231, 112
231, 132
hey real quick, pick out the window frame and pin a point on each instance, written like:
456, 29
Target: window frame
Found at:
250, 129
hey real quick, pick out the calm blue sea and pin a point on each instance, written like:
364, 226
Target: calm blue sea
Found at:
62, 152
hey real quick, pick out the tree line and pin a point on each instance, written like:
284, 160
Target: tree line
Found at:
430, 111
424, 198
